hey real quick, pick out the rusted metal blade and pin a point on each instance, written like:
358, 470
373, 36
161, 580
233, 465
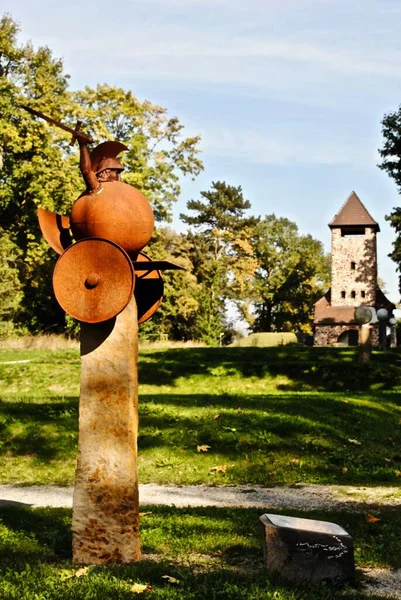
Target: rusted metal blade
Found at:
148, 290
76, 134
156, 265
93, 280
55, 229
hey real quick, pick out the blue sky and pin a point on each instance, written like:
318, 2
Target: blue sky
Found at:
288, 95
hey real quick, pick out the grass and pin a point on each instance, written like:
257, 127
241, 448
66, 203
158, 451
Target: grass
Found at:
211, 553
264, 416
217, 416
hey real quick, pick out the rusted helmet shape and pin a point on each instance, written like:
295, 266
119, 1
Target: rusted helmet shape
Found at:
109, 163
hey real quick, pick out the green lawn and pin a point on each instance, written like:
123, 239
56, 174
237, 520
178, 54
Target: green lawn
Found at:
217, 416
211, 554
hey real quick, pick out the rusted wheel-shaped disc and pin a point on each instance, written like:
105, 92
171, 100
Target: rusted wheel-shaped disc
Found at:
93, 280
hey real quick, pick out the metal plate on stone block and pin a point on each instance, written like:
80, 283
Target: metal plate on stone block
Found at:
93, 280
305, 524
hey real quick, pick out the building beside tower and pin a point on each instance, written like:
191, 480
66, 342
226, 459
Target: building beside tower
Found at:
353, 277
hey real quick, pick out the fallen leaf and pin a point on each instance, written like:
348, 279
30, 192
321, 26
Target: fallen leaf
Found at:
169, 579
398, 473
345, 469
356, 442
219, 469
272, 473
81, 572
294, 460
203, 448
387, 459
372, 519
138, 588
239, 411
217, 417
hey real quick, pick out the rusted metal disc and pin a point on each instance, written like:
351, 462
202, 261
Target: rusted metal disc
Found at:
93, 280
148, 289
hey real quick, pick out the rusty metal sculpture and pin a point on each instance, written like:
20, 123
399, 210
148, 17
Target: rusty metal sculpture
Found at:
104, 280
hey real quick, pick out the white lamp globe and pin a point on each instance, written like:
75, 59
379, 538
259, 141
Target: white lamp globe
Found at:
382, 314
392, 321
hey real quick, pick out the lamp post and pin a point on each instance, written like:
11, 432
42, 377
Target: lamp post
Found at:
383, 316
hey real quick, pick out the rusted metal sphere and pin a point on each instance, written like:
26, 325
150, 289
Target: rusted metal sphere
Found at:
119, 213
93, 280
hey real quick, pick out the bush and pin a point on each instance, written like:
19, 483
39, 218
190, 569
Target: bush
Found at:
267, 339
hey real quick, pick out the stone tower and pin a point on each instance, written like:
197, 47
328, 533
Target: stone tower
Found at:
353, 276
353, 255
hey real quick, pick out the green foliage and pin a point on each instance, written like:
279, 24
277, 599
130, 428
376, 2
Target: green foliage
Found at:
267, 339
391, 164
10, 286
175, 319
220, 223
292, 273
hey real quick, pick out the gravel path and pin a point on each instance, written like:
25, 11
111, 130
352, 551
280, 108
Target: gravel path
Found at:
382, 582
297, 496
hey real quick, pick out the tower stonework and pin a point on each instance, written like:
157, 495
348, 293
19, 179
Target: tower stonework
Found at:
353, 277
353, 266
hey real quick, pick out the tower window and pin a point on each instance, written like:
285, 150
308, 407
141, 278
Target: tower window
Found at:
353, 294
343, 294
352, 231
363, 294
353, 265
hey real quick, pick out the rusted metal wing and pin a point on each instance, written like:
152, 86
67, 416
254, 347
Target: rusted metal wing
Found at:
55, 229
156, 265
93, 280
149, 288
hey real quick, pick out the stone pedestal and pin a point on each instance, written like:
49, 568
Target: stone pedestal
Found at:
105, 520
307, 551
365, 343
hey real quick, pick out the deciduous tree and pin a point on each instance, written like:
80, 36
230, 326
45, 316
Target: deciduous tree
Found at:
291, 274
219, 221
391, 164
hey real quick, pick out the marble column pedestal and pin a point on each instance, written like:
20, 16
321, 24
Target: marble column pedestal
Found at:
105, 520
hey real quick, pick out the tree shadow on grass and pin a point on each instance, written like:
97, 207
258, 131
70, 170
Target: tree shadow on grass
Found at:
25, 428
324, 369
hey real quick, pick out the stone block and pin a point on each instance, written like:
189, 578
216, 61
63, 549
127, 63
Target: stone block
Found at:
307, 551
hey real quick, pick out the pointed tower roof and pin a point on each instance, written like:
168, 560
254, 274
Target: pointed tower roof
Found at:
353, 213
